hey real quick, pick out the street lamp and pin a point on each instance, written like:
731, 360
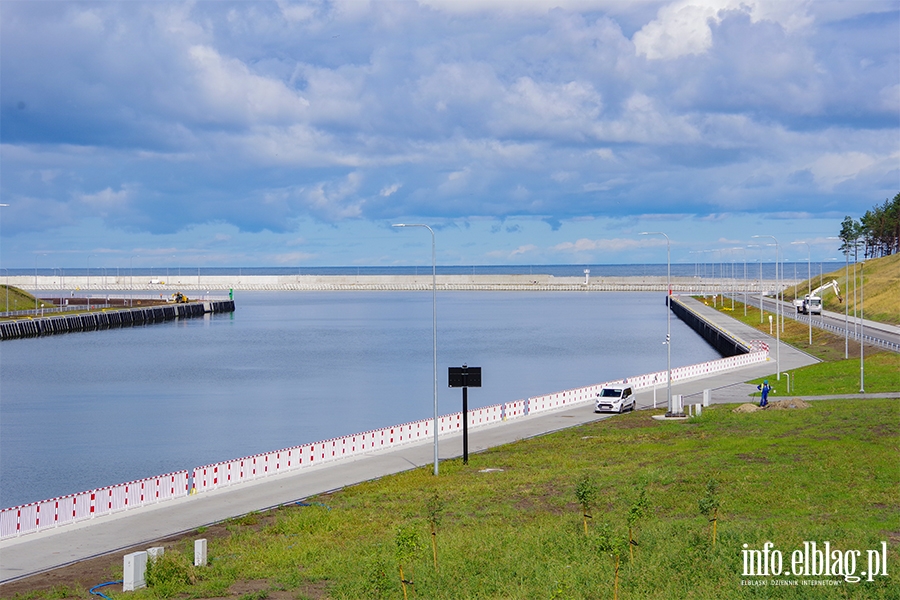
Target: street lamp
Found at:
862, 370
433, 331
131, 285
7, 290
7, 271
808, 284
669, 412
778, 309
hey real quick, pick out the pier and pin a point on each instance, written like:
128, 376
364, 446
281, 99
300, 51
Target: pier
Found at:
421, 282
109, 318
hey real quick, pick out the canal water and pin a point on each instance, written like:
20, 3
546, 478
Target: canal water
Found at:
84, 410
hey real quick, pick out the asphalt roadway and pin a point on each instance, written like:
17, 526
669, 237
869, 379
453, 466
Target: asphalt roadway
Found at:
138, 528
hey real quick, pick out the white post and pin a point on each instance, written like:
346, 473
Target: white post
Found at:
200, 553
706, 397
134, 571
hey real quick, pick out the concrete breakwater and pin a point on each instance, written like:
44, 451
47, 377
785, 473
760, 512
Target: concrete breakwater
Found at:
420, 282
719, 338
32, 327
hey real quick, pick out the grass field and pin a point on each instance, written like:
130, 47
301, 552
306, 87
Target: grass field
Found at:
510, 526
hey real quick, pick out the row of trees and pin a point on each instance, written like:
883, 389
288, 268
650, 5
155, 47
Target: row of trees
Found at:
877, 233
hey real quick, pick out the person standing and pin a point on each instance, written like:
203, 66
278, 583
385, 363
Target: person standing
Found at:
765, 389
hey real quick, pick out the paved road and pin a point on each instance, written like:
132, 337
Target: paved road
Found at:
881, 334
45, 550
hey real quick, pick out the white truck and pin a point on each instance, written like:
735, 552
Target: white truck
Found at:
811, 304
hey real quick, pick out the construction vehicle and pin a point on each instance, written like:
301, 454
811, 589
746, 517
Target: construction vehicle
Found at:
179, 298
811, 304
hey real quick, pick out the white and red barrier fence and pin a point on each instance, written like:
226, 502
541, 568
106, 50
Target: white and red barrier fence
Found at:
37, 516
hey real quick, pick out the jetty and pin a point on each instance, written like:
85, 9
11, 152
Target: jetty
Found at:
419, 282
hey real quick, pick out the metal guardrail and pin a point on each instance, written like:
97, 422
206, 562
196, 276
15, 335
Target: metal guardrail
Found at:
852, 334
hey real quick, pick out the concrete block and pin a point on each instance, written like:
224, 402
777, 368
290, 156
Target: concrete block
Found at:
135, 571
200, 553
155, 552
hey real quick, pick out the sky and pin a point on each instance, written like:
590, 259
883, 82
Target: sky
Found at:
523, 132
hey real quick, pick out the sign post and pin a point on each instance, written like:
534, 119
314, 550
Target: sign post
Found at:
464, 377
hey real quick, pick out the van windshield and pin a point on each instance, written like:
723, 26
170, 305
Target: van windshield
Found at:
610, 393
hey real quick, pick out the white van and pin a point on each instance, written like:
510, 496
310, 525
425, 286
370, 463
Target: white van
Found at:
615, 399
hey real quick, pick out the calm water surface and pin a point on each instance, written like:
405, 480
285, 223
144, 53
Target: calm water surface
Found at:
84, 410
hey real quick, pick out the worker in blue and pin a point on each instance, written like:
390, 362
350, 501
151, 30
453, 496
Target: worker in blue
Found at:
765, 389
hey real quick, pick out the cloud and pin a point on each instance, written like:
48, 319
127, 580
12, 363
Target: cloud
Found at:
602, 245
156, 118
106, 200
684, 28
390, 190
504, 255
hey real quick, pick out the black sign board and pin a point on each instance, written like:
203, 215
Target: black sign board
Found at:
464, 376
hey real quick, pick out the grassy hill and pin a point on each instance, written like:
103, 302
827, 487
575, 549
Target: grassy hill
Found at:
881, 288
13, 298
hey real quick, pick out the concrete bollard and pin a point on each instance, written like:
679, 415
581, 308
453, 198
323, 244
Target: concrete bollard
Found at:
707, 394
699, 409
200, 553
134, 571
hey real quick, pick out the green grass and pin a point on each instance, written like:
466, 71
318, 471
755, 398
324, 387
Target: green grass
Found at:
835, 375
882, 374
827, 473
13, 298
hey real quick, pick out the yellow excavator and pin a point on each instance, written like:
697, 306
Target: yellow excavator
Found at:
179, 298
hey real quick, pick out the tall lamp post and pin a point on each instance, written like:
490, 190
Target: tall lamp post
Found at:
131, 285
808, 283
778, 309
433, 332
862, 369
669, 412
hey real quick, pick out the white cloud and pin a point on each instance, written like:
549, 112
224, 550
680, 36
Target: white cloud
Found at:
107, 199
683, 28
832, 169
603, 245
527, 249
335, 200
228, 91
390, 190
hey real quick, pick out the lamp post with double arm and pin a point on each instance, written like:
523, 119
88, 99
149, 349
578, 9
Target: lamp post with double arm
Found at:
669, 411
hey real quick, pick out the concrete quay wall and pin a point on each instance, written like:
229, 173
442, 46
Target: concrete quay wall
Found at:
420, 282
107, 319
